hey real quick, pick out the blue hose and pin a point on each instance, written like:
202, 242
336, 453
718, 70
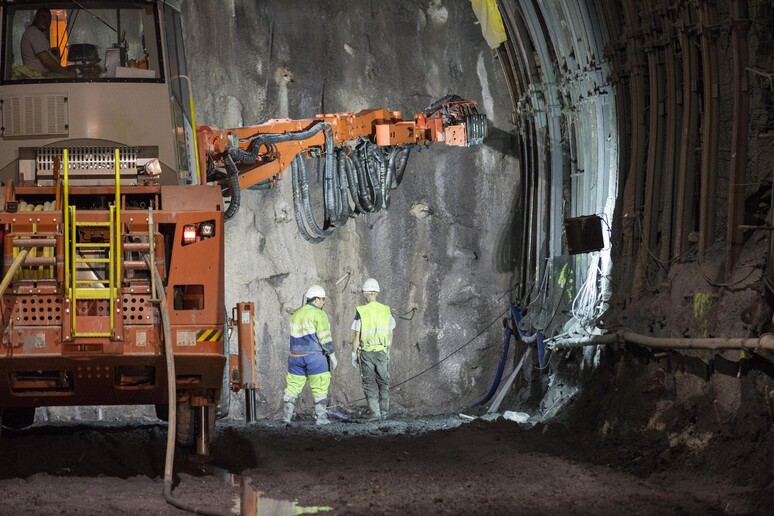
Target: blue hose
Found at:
541, 347
516, 317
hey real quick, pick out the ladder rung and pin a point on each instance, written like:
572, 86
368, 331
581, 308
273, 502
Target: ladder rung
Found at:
91, 293
92, 260
92, 334
92, 244
93, 224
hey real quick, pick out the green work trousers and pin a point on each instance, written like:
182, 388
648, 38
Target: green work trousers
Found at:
375, 373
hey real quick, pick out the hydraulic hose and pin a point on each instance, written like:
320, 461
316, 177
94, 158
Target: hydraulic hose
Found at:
500, 366
169, 460
355, 180
343, 207
330, 179
269, 139
238, 155
353, 183
303, 184
373, 167
438, 104
362, 181
298, 206
515, 317
233, 187
389, 177
400, 166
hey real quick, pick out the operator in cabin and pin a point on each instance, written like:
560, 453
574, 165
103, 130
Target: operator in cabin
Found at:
36, 51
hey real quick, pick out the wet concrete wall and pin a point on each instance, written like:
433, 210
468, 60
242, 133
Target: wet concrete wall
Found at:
441, 252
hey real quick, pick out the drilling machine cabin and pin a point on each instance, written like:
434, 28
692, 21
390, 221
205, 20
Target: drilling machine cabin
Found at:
114, 206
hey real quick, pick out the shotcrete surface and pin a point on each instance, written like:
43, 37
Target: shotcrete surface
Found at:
440, 252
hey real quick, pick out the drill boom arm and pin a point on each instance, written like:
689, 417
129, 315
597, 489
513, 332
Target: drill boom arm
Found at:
262, 152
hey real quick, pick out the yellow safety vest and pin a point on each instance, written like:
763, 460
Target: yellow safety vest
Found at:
374, 326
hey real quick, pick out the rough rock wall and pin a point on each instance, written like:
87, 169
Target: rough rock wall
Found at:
441, 251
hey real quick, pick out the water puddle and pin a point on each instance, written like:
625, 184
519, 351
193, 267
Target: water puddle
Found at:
251, 502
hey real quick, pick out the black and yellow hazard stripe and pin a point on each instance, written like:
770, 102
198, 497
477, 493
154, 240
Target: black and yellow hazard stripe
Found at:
209, 335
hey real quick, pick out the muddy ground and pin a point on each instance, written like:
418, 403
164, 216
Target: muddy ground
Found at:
432, 465
642, 437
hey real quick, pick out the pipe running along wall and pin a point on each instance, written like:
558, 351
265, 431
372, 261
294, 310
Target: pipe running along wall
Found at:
765, 341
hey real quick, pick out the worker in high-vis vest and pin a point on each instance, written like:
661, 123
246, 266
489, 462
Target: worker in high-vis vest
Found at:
312, 356
371, 343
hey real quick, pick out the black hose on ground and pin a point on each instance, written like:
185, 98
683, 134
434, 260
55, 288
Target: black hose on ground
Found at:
169, 459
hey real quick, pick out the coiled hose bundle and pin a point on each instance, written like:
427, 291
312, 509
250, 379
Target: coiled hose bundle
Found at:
355, 179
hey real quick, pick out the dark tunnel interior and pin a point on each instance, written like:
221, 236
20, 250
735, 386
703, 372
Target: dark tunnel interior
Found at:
582, 291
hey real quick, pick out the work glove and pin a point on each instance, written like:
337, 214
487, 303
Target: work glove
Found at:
333, 361
354, 361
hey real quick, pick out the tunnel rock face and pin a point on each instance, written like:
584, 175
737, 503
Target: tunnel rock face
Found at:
441, 252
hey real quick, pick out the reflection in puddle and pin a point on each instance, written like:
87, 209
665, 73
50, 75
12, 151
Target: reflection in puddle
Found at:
251, 503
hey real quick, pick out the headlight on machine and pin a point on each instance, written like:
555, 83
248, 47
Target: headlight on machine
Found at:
196, 232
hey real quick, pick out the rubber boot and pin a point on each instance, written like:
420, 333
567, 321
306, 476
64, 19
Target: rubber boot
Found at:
373, 407
290, 407
384, 405
321, 414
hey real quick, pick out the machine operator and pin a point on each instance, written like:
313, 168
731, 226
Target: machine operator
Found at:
36, 51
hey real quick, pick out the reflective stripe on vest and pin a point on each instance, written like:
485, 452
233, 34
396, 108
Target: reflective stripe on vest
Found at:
309, 329
374, 326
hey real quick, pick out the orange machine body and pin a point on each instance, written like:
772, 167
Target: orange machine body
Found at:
59, 349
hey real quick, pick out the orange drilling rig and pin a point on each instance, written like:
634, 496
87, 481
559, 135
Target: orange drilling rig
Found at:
113, 217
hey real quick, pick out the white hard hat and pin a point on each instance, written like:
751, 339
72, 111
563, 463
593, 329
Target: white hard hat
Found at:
371, 285
315, 291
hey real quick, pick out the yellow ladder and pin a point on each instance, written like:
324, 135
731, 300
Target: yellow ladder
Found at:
93, 256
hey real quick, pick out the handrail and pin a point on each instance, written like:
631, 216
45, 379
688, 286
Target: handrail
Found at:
117, 237
111, 266
66, 229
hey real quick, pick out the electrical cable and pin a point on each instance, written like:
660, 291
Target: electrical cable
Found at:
700, 266
443, 359
453, 352
402, 314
